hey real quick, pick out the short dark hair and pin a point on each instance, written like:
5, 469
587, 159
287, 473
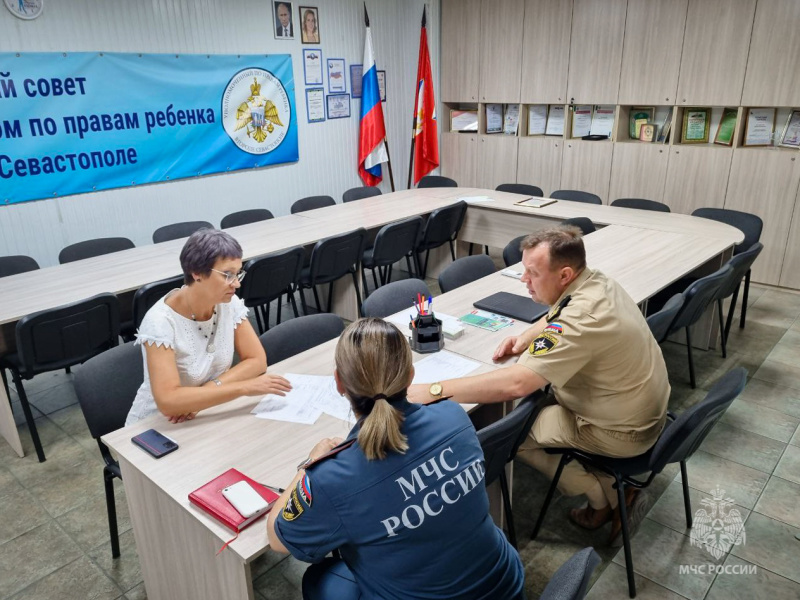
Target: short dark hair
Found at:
203, 248
565, 243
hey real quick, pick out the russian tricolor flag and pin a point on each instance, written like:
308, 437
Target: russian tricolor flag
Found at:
372, 131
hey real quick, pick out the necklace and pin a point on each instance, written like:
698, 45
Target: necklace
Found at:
210, 345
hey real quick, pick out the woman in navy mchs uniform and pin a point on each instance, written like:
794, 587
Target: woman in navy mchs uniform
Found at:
402, 498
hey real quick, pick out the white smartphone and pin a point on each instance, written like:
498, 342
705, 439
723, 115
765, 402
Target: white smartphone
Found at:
245, 499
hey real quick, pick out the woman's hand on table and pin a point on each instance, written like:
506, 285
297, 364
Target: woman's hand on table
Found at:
182, 418
267, 384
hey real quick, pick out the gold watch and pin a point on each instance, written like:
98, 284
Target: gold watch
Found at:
435, 390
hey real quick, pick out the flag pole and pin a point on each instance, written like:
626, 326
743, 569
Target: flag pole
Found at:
385, 139
414, 122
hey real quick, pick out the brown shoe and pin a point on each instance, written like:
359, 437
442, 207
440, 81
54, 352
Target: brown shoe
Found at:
591, 518
636, 504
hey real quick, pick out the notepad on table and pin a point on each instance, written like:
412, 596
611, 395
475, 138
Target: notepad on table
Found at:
535, 202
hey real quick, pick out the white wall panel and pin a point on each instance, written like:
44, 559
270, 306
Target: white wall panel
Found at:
328, 151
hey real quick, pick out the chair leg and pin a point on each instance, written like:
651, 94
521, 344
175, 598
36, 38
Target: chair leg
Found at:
626, 536
744, 299
26, 409
687, 501
410, 270
721, 328
452, 250
111, 508
425, 267
266, 315
259, 324
470, 249
358, 294
290, 293
731, 309
549, 498
316, 298
280, 297
691, 360
330, 297
389, 275
364, 282
512, 534
303, 300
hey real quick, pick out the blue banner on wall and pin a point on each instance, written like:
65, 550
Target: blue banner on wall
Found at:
74, 123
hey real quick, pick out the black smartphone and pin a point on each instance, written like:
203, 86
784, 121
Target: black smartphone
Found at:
154, 443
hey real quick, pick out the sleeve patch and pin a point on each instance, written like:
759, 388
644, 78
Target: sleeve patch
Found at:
554, 328
543, 344
304, 490
294, 508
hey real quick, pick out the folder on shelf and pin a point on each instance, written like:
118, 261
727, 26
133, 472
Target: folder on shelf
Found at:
517, 307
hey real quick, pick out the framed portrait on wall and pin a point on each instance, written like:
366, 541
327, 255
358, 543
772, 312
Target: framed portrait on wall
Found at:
309, 24
284, 27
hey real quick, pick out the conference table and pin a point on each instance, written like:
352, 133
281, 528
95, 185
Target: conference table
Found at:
646, 251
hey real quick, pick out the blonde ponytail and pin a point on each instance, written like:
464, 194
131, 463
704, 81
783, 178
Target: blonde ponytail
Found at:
380, 432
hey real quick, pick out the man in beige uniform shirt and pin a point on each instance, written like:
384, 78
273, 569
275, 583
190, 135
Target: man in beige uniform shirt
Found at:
608, 376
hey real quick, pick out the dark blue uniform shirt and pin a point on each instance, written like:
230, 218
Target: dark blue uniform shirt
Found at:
413, 525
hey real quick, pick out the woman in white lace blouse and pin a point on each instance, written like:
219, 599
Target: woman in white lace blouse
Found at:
188, 338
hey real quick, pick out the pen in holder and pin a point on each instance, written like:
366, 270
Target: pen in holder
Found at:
426, 334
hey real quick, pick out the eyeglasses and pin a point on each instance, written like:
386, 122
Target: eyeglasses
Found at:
230, 277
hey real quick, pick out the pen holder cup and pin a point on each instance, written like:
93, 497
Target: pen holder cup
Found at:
426, 334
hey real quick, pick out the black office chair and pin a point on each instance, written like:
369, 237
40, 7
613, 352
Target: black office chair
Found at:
521, 188
176, 231
585, 224
332, 258
394, 242
91, 248
500, 442
106, 386
576, 196
59, 338
571, 580
696, 299
359, 193
312, 202
436, 181
659, 323
512, 253
16, 264
441, 228
465, 270
268, 278
750, 225
740, 265
394, 297
244, 217
678, 441
298, 335
641, 204
143, 300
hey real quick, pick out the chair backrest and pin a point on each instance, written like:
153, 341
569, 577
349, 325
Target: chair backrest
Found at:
682, 437
512, 253
660, 322
443, 225
68, 335
298, 335
359, 193
576, 196
150, 293
16, 264
749, 224
106, 386
434, 181
269, 276
571, 580
336, 256
312, 202
176, 231
396, 240
521, 188
96, 247
641, 204
498, 440
697, 297
393, 297
585, 224
465, 270
740, 264
243, 217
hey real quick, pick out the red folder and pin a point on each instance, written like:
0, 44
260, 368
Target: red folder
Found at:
209, 497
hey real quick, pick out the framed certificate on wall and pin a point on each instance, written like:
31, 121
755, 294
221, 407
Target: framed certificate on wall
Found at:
759, 125
695, 125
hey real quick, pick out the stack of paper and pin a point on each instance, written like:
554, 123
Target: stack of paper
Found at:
442, 365
311, 396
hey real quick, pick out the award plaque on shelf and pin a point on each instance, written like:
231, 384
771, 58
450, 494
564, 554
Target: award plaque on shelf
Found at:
759, 125
790, 138
695, 125
727, 123
639, 115
647, 132
537, 119
463, 120
555, 120
494, 118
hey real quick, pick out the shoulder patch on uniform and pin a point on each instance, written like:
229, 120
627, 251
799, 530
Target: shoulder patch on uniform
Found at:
304, 490
543, 343
555, 328
293, 508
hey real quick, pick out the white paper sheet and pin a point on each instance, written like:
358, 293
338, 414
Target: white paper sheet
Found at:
443, 365
311, 396
475, 199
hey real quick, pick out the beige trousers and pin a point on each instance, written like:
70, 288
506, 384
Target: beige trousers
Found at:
557, 427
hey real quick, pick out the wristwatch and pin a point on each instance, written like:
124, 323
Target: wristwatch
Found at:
305, 463
435, 390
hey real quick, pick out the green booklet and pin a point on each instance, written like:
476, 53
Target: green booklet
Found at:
486, 320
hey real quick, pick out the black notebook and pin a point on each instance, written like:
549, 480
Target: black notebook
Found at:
517, 307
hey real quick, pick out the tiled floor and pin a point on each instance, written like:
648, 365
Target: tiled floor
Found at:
54, 537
